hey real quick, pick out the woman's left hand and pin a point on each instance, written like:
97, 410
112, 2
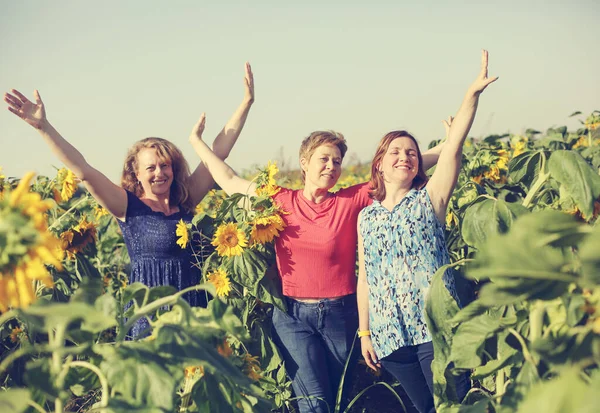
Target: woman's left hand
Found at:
482, 80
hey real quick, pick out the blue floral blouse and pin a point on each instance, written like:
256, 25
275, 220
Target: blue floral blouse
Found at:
402, 249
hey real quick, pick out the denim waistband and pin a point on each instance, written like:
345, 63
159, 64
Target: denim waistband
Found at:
329, 302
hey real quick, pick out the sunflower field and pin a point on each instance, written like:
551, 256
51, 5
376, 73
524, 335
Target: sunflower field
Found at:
521, 229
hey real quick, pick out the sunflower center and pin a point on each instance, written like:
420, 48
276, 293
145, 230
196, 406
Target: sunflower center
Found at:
231, 240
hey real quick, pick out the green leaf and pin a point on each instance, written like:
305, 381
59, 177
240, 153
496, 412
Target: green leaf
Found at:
577, 177
589, 254
43, 316
139, 375
470, 337
488, 217
14, 400
525, 167
249, 268
566, 393
440, 308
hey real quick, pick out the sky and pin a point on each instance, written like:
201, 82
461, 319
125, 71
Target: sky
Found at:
112, 72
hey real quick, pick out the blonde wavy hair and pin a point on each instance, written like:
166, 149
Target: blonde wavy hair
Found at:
314, 140
167, 152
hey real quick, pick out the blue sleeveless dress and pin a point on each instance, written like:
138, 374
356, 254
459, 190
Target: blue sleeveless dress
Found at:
156, 259
403, 249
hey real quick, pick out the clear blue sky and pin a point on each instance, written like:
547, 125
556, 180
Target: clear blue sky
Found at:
111, 72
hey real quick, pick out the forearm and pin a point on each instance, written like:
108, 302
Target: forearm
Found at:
362, 298
66, 152
461, 125
231, 131
220, 171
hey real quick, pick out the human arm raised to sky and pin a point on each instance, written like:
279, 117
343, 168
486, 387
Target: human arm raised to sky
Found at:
201, 181
110, 196
442, 183
222, 173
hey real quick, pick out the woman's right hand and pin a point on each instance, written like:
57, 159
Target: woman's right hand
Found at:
249, 85
198, 129
32, 113
368, 353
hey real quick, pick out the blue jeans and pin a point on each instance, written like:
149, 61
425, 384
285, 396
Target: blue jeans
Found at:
315, 341
411, 366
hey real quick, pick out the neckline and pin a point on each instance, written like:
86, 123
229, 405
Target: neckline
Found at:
408, 195
179, 210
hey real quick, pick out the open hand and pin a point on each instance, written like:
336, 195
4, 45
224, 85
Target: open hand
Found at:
482, 80
249, 84
198, 129
32, 113
447, 124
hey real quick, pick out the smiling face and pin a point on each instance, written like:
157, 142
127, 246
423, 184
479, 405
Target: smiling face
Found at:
401, 161
154, 173
324, 167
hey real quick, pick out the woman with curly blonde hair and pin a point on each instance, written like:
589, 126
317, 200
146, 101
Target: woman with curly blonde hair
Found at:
157, 191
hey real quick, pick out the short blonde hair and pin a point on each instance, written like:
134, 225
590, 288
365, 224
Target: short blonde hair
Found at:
318, 138
167, 152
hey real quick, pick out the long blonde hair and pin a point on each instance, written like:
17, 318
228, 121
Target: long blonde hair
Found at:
167, 152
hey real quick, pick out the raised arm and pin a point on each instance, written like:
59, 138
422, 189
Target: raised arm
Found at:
226, 177
201, 181
362, 298
110, 196
441, 185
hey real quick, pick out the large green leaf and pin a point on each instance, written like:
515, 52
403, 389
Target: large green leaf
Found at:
487, 217
566, 393
577, 177
249, 268
525, 168
44, 316
470, 337
14, 400
440, 308
589, 253
531, 252
139, 375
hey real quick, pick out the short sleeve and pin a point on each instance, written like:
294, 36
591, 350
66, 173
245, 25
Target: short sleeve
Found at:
358, 193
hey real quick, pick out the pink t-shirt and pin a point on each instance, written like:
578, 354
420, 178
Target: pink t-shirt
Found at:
316, 252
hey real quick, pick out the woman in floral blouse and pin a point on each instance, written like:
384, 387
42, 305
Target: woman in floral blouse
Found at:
402, 244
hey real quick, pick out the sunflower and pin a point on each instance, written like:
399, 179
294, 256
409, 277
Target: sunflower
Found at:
99, 212
503, 159
16, 287
15, 333
28, 246
229, 240
252, 367
265, 229
267, 186
67, 181
199, 209
2, 177
77, 238
519, 148
224, 349
193, 371
183, 234
267, 190
220, 280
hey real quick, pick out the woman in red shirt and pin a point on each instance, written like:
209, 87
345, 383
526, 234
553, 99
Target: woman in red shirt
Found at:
316, 257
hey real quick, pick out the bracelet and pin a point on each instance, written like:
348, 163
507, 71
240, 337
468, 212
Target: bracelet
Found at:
364, 333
